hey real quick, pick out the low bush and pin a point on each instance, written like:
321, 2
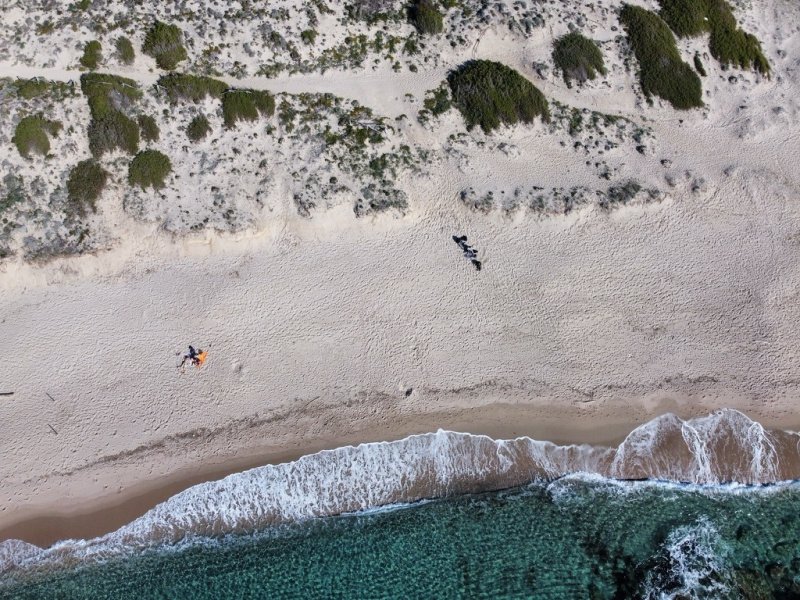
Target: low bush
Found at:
426, 17
34, 88
198, 128
165, 43
31, 135
687, 18
437, 100
85, 184
110, 128
661, 71
149, 168
578, 57
149, 128
698, 66
179, 86
308, 36
125, 52
92, 55
106, 93
111, 132
728, 44
246, 105
489, 93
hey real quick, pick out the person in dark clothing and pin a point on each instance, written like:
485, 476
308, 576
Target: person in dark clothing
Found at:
191, 356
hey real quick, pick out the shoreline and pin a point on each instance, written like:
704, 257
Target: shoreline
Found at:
105, 514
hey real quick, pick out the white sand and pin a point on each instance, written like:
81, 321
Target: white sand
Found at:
578, 328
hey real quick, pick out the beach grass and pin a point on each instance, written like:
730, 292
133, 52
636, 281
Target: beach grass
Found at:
662, 72
149, 128
578, 57
149, 168
729, 44
489, 94
198, 128
164, 42
125, 52
426, 17
92, 55
32, 135
86, 182
195, 88
246, 105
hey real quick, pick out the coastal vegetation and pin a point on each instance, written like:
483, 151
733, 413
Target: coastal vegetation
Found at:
149, 168
489, 94
165, 43
149, 128
31, 135
246, 105
125, 52
92, 55
198, 128
85, 184
662, 72
578, 58
195, 88
110, 128
727, 43
29, 89
426, 17
308, 36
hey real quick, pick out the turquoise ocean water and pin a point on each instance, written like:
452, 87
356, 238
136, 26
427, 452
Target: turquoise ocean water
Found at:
572, 538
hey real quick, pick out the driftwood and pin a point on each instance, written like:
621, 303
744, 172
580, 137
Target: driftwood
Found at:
6, 393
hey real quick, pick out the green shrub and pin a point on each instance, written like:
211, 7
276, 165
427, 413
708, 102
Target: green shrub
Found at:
31, 88
113, 131
728, 44
489, 93
662, 72
698, 66
578, 57
246, 105
125, 53
110, 128
85, 184
165, 43
149, 128
437, 101
92, 55
191, 87
149, 168
687, 18
198, 128
31, 135
308, 36
426, 17
106, 93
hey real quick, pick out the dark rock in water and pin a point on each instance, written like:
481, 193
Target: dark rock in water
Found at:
477, 264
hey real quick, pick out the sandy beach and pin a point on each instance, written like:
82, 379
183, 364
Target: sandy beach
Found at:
331, 330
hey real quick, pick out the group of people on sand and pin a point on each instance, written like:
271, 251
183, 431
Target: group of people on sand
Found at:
469, 252
195, 357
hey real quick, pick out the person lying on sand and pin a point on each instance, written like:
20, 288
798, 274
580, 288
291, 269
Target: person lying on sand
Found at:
196, 357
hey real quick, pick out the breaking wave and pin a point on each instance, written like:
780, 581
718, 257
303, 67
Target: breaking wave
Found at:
723, 447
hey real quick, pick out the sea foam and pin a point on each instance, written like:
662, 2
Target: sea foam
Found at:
725, 446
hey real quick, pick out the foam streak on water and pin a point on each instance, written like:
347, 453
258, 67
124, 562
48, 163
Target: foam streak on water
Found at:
725, 446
